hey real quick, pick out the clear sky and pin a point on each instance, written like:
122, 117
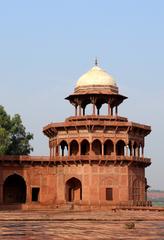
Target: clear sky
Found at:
45, 46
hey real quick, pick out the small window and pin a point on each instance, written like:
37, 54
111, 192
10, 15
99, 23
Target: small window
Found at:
35, 194
109, 194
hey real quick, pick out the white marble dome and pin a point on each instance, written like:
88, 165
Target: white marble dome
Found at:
96, 76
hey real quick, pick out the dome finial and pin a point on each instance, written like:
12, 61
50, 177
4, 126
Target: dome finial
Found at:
96, 62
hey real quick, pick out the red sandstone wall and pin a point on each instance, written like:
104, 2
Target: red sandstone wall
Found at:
51, 181
137, 184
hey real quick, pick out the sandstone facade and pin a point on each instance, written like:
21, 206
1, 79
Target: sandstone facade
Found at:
96, 157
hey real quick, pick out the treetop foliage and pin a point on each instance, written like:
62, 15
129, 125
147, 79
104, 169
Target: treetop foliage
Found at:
14, 140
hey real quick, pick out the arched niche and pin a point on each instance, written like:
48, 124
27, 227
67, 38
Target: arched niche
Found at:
85, 147
120, 148
108, 147
97, 147
63, 148
74, 147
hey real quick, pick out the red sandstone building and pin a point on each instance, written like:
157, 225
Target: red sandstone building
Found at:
96, 156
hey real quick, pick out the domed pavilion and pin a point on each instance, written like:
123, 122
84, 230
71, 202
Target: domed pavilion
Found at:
98, 155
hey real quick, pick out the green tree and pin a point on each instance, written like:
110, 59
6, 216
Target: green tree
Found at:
14, 140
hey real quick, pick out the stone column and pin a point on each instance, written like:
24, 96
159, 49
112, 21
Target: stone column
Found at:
112, 111
94, 108
79, 148
127, 147
90, 148
50, 152
69, 153
1, 193
93, 101
142, 151
116, 111
102, 146
114, 149
83, 111
109, 108
138, 152
98, 111
80, 110
76, 110
57, 150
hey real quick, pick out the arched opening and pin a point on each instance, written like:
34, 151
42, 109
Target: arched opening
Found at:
63, 148
88, 110
108, 147
103, 109
120, 148
97, 147
14, 189
74, 147
85, 147
73, 190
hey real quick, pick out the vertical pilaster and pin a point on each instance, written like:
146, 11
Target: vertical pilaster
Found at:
69, 152
102, 146
116, 110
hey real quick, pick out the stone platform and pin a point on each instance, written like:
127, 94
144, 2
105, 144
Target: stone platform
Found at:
34, 225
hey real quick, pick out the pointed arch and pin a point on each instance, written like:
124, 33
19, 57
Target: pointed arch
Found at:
14, 189
63, 148
73, 190
120, 148
74, 147
108, 147
85, 147
97, 147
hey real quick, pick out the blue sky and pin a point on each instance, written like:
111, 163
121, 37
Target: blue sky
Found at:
45, 46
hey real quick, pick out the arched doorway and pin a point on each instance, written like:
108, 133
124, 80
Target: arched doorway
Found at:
108, 147
120, 148
74, 148
73, 190
85, 147
97, 147
63, 148
14, 189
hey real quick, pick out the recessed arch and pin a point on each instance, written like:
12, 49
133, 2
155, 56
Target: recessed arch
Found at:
120, 148
108, 147
73, 190
97, 147
14, 189
85, 147
74, 147
63, 148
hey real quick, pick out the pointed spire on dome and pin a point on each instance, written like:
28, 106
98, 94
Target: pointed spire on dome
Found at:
96, 62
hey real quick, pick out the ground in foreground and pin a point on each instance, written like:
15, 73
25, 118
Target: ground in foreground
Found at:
34, 225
